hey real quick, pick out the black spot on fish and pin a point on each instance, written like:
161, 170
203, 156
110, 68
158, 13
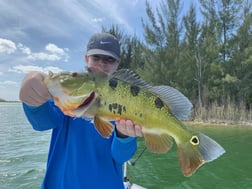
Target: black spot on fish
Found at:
119, 111
141, 115
114, 105
159, 103
113, 83
124, 109
134, 90
110, 107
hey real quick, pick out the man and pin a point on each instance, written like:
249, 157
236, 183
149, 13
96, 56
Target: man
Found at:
78, 156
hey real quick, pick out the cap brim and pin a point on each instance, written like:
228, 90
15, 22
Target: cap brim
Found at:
102, 52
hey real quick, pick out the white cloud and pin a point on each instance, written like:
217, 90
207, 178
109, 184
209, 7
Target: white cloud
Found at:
98, 20
52, 53
54, 49
44, 56
8, 82
7, 46
24, 49
26, 69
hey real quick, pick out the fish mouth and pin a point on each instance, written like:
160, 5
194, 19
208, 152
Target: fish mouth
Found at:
77, 111
81, 110
87, 101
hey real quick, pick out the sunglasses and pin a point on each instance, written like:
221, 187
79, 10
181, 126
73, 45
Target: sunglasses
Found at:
105, 59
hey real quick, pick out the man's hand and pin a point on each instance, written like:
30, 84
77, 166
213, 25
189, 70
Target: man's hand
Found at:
33, 90
127, 128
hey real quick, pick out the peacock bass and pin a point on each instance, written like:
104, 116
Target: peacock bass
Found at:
124, 95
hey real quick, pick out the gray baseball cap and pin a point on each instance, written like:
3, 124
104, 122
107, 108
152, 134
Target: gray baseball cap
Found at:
104, 44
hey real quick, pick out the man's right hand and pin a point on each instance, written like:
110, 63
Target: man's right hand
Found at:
33, 90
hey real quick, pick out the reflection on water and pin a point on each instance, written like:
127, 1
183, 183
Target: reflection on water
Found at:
23, 154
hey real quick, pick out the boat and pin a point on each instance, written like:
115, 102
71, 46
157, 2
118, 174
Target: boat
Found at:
126, 180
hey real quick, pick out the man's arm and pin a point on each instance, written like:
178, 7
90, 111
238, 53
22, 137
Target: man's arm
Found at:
40, 111
44, 117
124, 143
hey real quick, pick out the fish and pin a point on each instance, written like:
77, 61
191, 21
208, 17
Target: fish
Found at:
160, 110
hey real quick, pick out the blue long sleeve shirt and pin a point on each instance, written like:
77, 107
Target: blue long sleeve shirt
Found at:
79, 157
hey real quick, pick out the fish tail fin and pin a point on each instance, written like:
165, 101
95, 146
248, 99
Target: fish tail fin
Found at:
199, 150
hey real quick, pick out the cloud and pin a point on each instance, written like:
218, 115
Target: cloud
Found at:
26, 69
98, 20
8, 82
7, 46
24, 50
51, 53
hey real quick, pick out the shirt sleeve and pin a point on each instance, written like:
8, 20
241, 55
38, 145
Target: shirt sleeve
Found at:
44, 117
123, 148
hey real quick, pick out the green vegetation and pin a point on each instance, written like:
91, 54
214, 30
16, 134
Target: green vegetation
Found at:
208, 59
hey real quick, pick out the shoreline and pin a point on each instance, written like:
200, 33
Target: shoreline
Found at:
195, 122
227, 123
10, 101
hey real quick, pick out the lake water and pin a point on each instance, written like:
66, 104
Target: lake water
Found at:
23, 154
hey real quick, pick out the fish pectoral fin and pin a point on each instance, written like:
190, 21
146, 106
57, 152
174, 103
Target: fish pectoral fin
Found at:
158, 143
104, 127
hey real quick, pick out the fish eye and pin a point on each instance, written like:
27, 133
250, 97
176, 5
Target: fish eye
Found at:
194, 140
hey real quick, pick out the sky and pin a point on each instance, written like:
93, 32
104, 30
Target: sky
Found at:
51, 35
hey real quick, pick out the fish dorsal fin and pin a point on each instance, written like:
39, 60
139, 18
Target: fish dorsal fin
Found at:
179, 105
130, 77
104, 127
158, 143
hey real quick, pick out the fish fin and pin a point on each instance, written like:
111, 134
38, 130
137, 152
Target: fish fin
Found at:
131, 77
179, 105
158, 143
104, 127
199, 150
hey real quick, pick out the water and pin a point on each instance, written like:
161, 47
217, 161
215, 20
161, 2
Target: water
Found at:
233, 170
23, 154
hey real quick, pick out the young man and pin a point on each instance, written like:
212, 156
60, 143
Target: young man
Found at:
78, 156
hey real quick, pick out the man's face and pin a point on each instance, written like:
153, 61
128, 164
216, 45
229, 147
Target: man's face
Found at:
102, 63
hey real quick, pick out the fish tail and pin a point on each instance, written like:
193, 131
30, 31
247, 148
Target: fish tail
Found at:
199, 150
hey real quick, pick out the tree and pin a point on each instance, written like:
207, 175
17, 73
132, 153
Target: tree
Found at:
228, 19
190, 57
162, 42
242, 57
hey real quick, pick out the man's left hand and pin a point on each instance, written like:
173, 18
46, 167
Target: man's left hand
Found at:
128, 128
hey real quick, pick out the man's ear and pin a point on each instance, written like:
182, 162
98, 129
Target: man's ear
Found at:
86, 57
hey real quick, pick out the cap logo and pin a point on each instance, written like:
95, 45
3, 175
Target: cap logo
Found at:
105, 42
